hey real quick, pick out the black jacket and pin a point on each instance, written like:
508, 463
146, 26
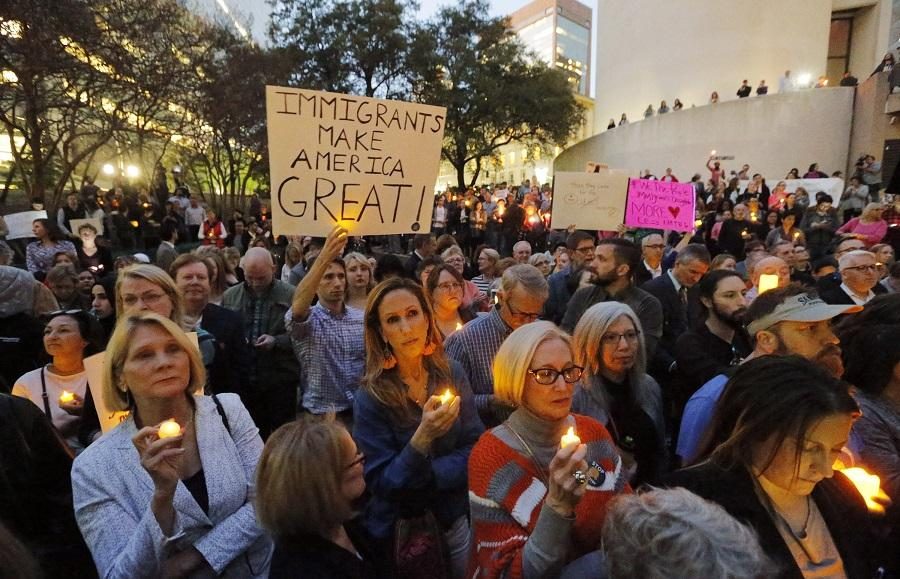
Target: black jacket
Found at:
314, 557
230, 370
835, 295
841, 506
675, 321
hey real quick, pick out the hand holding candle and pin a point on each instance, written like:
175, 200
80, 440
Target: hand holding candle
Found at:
168, 429
569, 438
66, 397
446, 397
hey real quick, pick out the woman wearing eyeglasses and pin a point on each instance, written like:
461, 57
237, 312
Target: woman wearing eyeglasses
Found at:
445, 291
59, 388
537, 504
308, 481
416, 445
616, 390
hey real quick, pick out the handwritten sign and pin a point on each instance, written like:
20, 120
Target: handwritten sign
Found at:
75, 224
366, 163
19, 224
589, 200
660, 205
94, 370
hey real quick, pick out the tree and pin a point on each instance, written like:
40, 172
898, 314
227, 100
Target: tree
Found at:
348, 46
494, 92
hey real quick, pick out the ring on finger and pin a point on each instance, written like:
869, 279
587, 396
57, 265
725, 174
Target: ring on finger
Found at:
579, 477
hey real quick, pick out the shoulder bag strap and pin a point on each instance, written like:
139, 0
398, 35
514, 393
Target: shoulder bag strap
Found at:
45, 397
221, 411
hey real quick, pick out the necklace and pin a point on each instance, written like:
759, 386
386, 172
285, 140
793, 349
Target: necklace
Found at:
540, 468
801, 537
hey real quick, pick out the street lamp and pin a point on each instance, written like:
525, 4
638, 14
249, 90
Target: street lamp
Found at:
132, 171
108, 169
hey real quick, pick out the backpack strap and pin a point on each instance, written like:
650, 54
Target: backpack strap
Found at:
221, 411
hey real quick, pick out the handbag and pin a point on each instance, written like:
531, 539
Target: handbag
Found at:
419, 548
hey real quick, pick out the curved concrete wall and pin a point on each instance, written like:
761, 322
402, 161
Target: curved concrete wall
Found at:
650, 50
771, 134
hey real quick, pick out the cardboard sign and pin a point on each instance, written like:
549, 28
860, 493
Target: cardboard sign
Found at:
660, 205
369, 164
589, 200
74, 224
93, 368
19, 224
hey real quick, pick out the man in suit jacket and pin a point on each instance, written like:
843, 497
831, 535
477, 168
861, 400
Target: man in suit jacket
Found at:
580, 247
859, 280
166, 252
671, 289
424, 245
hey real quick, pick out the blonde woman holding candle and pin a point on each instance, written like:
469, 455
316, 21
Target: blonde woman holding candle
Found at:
539, 483
59, 388
150, 504
416, 444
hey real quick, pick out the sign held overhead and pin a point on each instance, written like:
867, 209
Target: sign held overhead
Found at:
368, 164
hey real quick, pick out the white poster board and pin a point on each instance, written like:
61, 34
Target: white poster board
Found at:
19, 224
589, 200
94, 369
74, 224
369, 164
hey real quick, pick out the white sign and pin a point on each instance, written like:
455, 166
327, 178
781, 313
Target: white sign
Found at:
19, 224
369, 164
589, 200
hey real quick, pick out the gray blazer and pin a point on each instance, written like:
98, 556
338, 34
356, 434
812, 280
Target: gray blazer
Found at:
112, 493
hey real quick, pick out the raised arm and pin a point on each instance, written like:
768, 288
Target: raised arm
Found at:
306, 291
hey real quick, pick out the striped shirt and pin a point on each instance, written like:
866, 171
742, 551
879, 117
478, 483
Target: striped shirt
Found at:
474, 347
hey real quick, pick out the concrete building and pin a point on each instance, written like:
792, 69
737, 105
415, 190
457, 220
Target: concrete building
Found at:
650, 51
558, 32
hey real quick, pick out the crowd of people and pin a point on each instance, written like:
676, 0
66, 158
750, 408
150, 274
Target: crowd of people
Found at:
492, 399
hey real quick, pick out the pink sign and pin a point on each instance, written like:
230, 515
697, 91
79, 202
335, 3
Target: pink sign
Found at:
660, 205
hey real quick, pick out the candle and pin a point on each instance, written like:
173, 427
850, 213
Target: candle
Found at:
698, 223
458, 326
66, 397
169, 428
534, 219
569, 438
446, 397
796, 235
767, 281
869, 486
754, 216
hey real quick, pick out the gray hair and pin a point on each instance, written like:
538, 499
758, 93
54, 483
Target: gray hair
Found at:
529, 277
538, 257
845, 260
646, 239
593, 325
693, 252
649, 535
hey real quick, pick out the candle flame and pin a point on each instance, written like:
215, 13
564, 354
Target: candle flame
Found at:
869, 486
169, 428
446, 397
66, 396
458, 326
767, 281
569, 438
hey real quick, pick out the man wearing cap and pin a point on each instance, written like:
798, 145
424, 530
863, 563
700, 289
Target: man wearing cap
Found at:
859, 279
781, 322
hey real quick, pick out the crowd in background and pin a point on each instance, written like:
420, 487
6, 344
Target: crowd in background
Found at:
493, 399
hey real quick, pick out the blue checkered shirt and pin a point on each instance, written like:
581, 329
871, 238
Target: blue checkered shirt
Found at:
332, 354
474, 347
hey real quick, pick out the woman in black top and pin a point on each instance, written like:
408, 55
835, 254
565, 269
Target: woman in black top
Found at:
778, 429
308, 480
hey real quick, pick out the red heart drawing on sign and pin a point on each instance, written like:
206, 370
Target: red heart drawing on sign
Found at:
675, 211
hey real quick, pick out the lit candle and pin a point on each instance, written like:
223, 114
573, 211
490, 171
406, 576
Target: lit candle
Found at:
534, 219
767, 281
754, 216
134, 224
446, 397
569, 438
869, 486
169, 428
66, 397
698, 223
796, 235
458, 326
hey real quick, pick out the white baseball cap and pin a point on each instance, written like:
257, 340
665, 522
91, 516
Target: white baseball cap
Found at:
801, 308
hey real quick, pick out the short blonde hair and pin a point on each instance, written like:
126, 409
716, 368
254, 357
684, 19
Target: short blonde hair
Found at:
453, 250
870, 209
299, 476
364, 261
515, 355
115, 391
156, 276
587, 341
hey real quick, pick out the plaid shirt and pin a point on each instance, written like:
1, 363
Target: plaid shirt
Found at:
332, 355
474, 347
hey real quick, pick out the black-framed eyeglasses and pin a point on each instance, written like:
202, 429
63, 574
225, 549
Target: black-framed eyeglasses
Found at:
522, 315
587, 250
631, 336
548, 376
864, 268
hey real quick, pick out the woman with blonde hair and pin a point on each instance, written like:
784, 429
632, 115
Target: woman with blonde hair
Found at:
144, 287
308, 480
165, 493
293, 255
616, 390
219, 281
360, 279
539, 483
415, 420
869, 227
486, 259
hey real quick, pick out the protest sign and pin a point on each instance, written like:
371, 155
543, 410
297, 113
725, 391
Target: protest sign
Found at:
589, 200
660, 205
93, 369
19, 224
74, 224
369, 164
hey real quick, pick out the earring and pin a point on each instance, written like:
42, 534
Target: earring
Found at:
429, 349
389, 361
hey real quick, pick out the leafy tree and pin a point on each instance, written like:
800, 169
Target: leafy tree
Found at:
494, 92
349, 46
